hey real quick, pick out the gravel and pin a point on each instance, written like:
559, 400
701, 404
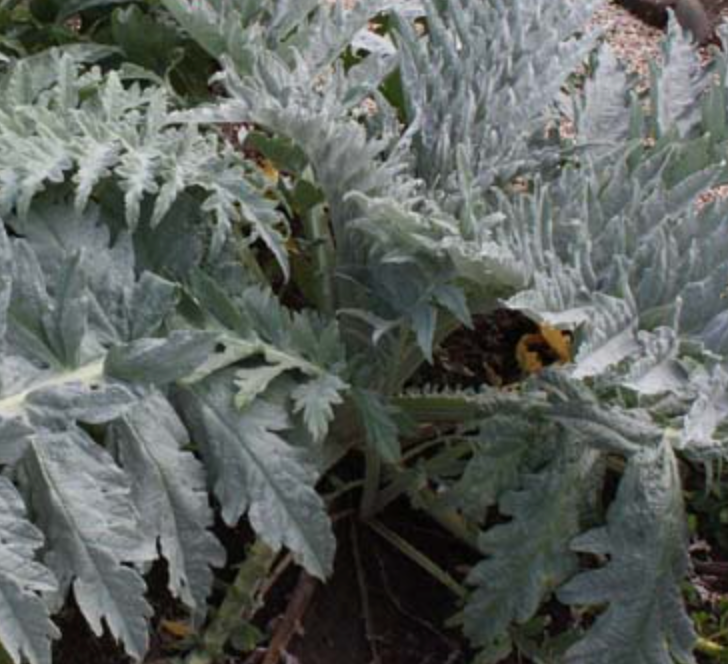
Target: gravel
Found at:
635, 43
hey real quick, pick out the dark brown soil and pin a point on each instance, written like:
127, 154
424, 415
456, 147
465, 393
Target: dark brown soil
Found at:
485, 355
407, 607
80, 646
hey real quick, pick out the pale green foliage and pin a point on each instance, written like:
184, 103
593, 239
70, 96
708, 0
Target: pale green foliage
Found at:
149, 443
645, 539
254, 471
280, 343
73, 484
52, 342
137, 320
56, 128
315, 400
531, 551
381, 429
615, 251
497, 459
26, 627
601, 118
635, 314
677, 83
483, 80
80, 326
609, 249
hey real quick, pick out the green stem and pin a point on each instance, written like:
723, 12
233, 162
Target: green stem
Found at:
239, 605
401, 484
409, 480
416, 556
711, 649
438, 409
341, 489
316, 227
426, 445
393, 382
449, 519
372, 480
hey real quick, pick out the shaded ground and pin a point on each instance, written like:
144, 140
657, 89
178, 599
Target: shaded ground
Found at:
406, 607
485, 355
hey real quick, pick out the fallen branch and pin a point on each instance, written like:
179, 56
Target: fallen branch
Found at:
290, 624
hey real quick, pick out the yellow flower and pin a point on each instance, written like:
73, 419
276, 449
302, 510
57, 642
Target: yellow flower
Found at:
548, 345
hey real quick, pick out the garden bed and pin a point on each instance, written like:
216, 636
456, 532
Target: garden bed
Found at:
351, 357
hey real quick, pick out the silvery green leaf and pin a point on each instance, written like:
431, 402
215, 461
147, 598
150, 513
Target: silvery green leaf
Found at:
15, 435
371, 42
121, 305
93, 403
75, 487
31, 306
274, 341
499, 458
26, 630
220, 307
254, 471
169, 489
96, 161
5, 290
164, 360
79, 125
458, 92
604, 427
678, 82
138, 172
151, 301
424, 321
250, 383
699, 435
316, 399
67, 326
604, 112
646, 540
84, 379
454, 300
528, 556
381, 429
656, 369
203, 22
